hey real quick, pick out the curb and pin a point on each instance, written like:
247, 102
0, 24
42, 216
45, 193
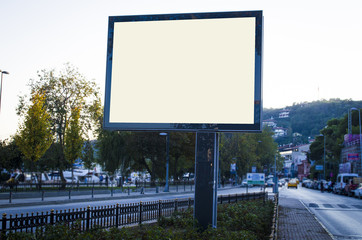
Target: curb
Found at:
274, 228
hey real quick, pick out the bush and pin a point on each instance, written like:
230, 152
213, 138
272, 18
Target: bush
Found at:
244, 220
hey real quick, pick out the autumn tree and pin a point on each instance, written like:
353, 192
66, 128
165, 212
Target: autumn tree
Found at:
34, 136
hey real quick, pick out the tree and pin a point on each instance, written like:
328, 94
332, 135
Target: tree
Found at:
247, 150
64, 91
114, 150
88, 155
73, 138
34, 136
10, 156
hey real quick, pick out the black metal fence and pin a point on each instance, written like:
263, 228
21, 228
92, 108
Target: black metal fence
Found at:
118, 215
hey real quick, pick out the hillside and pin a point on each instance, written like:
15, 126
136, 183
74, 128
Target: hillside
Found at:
308, 118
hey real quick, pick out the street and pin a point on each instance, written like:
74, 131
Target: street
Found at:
340, 215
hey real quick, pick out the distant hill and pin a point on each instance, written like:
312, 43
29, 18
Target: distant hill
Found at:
308, 118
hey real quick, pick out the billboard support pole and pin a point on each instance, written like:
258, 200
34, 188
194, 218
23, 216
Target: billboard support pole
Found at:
206, 172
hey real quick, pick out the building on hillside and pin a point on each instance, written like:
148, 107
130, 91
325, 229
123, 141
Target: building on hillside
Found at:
350, 155
284, 113
280, 132
270, 123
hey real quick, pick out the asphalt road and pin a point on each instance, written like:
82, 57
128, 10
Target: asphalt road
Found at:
137, 198
340, 215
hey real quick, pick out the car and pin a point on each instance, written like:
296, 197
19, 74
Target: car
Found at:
358, 191
293, 183
269, 183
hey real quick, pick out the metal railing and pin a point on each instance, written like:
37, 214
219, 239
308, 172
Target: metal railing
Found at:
118, 215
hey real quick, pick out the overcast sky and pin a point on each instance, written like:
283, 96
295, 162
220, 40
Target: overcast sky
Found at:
312, 48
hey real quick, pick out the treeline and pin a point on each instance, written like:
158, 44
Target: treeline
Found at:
333, 137
61, 122
309, 118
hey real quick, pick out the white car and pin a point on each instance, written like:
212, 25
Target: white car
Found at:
358, 191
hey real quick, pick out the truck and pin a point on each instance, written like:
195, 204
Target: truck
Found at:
345, 184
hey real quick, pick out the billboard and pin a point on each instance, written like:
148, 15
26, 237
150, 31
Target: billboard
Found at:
184, 72
255, 178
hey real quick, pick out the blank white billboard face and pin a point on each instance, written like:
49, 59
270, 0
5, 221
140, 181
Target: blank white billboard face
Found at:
192, 71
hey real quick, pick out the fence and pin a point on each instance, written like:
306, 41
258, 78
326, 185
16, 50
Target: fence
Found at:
57, 185
109, 216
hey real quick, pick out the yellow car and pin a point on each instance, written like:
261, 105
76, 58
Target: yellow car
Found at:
293, 183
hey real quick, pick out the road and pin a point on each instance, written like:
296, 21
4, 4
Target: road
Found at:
137, 198
340, 215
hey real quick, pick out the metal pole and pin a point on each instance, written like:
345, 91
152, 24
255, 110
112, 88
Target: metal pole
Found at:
1, 85
360, 139
167, 159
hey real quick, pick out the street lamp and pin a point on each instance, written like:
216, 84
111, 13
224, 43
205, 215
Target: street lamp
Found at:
360, 137
324, 155
167, 158
1, 86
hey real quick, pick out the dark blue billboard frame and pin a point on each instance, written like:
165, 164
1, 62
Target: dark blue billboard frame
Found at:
189, 127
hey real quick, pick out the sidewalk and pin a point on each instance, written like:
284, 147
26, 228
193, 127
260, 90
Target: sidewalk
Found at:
296, 222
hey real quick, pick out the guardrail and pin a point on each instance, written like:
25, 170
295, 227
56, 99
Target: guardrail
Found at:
109, 216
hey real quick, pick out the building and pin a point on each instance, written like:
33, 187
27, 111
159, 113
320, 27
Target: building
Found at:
284, 113
350, 155
296, 163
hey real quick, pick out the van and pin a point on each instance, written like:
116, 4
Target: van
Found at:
342, 180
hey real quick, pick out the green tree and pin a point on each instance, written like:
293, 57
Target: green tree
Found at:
10, 156
114, 151
73, 138
88, 155
34, 136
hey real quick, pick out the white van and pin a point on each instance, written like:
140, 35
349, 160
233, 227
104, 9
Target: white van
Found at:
342, 180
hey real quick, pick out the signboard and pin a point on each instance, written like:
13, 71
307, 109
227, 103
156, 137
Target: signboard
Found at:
184, 72
319, 167
253, 169
352, 157
233, 168
255, 178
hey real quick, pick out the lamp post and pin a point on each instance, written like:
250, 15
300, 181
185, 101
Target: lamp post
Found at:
167, 158
360, 137
324, 155
1, 86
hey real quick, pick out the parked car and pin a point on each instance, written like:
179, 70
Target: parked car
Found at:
269, 182
358, 191
293, 183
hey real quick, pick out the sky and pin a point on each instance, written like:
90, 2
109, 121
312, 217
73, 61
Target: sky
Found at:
312, 49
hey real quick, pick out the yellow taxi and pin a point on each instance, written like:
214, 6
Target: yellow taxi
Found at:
293, 183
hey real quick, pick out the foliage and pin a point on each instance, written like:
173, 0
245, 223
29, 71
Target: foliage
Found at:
247, 150
88, 155
243, 220
11, 157
73, 137
35, 136
63, 92
333, 135
114, 150
308, 118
